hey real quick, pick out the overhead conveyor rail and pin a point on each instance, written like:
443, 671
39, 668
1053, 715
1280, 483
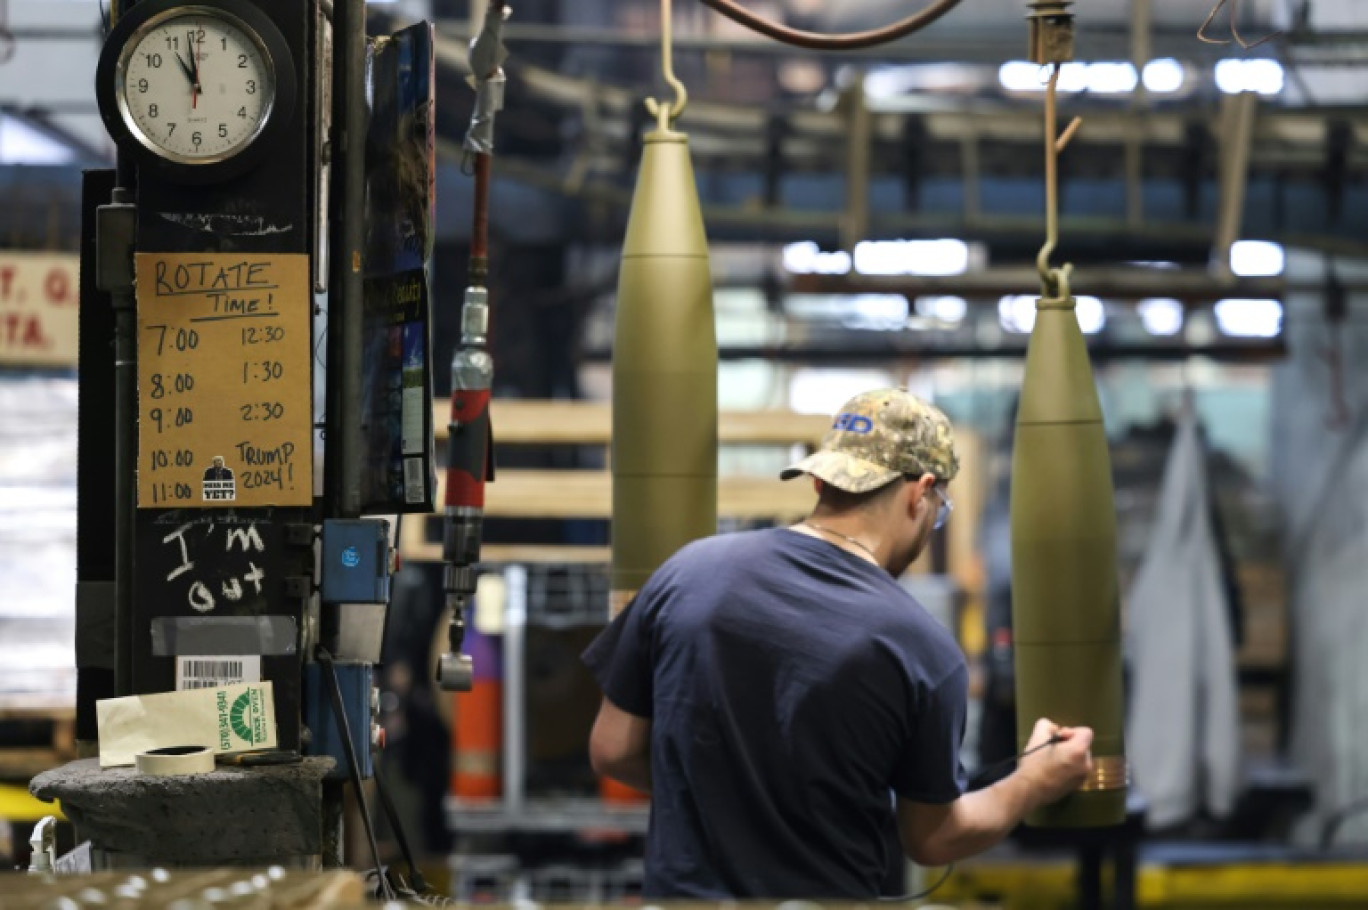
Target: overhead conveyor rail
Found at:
958, 169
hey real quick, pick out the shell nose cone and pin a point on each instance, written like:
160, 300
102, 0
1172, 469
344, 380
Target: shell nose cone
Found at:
1058, 387
666, 219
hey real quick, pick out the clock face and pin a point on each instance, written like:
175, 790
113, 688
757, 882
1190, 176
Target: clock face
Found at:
195, 86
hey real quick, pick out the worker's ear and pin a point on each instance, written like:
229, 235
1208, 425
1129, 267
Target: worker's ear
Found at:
919, 493
818, 485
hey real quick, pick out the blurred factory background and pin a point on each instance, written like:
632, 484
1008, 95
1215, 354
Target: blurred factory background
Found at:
874, 219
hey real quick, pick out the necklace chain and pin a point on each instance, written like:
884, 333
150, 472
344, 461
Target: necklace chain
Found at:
816, 527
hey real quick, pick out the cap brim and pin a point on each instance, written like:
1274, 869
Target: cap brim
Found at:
842, 471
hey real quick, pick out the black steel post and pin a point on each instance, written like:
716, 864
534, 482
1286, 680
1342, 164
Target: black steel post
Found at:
345, 285
115, 232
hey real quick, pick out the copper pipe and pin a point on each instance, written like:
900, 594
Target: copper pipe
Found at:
819, 42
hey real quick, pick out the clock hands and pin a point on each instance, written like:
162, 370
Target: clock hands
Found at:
191, 69
194, 59
185, 68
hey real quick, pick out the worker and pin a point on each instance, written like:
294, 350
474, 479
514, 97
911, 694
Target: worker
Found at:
793, 712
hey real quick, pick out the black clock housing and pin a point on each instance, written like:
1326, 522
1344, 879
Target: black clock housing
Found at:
278, 120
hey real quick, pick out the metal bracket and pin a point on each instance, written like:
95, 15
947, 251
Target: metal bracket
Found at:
116, 228
1051, 31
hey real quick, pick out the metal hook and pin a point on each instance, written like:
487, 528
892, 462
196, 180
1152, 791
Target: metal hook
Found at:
666, 115
1054, 282
1234, 27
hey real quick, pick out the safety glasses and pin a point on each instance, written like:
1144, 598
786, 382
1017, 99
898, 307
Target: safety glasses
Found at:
946, 507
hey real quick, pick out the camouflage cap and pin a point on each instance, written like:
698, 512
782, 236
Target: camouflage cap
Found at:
879, 436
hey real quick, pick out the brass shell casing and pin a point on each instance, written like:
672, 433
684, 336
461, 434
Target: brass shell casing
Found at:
664, 450
1065, 595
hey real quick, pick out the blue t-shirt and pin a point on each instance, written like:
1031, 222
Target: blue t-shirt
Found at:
791, 686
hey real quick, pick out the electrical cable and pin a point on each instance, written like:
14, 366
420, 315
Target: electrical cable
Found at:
923, 893
416, 881
983, 774
840, 42
980, 775
354, 766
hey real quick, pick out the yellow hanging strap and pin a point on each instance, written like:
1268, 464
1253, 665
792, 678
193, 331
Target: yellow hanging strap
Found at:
666, 114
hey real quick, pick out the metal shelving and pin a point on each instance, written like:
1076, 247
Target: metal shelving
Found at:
555, 597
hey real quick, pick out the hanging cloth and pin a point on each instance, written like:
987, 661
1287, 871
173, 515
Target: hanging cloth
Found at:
1330, 632
1183, 737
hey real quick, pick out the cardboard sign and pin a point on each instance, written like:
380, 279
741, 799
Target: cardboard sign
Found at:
225, 405
39, 306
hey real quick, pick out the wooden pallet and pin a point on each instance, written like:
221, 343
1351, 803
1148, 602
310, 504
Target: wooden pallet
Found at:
22, 762
273, 890
564, 494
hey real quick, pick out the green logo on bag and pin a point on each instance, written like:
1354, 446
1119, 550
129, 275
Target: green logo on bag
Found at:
241, 725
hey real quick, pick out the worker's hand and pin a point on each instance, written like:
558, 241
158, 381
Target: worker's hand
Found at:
1057, 770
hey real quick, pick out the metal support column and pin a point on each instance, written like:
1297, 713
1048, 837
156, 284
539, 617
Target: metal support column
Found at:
348, 236
1237, 134
515, 679
855, 220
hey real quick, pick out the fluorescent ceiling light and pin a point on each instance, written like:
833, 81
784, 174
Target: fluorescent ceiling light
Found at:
1020, 76
1161, 315
817, 390
1106, 77
1092, 315
807, 258
855, 308
1110, 78
1249, 318
1257, 258
1073, 77
1017, 312
22, 144
911, 257
1163, 76
946, 308
1261, 75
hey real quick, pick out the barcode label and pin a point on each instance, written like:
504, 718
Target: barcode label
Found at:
413, 480
202, 672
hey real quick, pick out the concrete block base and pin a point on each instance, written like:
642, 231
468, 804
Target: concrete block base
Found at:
231, 816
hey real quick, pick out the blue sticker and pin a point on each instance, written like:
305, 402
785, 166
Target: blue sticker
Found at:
351, 557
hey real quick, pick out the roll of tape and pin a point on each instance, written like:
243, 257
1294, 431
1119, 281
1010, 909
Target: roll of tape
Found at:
175, 760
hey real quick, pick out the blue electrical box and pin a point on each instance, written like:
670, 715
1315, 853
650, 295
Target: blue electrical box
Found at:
356, 561
325, 736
